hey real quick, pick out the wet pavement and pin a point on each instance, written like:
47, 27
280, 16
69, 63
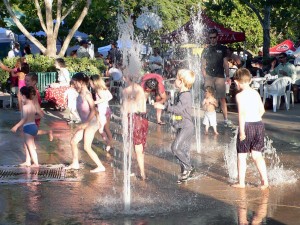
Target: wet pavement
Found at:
50, 196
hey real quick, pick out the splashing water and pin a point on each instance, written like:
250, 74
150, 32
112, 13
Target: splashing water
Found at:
131, 49
230, 158
277, 174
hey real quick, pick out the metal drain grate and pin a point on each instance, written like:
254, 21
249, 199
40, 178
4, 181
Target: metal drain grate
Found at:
9, 174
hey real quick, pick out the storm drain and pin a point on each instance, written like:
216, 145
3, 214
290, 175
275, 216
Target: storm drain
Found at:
15, 174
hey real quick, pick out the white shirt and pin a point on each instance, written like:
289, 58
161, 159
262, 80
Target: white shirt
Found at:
115, 73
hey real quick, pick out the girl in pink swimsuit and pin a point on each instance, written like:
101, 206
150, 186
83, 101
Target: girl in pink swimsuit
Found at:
86, 131
20, 71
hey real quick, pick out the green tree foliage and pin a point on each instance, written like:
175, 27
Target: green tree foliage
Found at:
265, 22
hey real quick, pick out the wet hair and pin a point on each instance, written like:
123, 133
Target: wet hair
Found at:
152, 84
98, 82
61, 62
33, 76
210, 90
28, 92
242, 75
81, 77
213, 31
187, 77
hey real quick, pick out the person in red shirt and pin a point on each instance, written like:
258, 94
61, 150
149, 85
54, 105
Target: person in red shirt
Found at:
153, 85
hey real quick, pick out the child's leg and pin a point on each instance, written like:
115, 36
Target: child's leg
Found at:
89, 134
262, 169
28, 158
48, 132
29, 141
215, 130
108, 133
140, 157
206, 129
242, 167
77, 137
102, 122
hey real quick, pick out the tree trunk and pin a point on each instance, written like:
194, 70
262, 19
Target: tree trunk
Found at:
48, 26
266, 31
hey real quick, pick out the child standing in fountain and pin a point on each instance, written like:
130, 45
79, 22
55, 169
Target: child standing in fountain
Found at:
86, 131
184, 124
30, 129
251, 129
134, 110
209, 105
103, 96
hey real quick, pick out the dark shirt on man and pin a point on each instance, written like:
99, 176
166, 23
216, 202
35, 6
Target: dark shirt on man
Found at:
214, 56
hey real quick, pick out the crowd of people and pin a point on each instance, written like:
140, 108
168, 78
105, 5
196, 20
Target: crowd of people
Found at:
87, 99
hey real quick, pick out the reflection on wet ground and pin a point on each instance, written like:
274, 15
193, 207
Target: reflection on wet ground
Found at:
98, 198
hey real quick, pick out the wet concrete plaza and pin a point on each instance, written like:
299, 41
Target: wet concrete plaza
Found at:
50, 195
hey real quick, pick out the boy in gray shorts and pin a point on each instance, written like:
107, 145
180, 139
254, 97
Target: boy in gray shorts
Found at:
251, 129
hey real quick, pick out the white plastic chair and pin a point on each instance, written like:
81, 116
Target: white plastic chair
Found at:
170, 88
280, 87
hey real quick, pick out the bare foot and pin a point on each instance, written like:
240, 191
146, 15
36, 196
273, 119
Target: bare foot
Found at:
216, 133
25, 164
35, 166
238, 185
264, 187
50, 135
73, 166
98, 169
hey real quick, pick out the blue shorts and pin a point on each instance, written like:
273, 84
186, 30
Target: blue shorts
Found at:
30, 128
255, 134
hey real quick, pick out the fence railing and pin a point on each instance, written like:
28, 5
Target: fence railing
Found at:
46, 78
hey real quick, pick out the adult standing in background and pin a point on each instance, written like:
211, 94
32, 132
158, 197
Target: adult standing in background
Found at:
15, 52
82, 51
114, 55
214, 65
156, 62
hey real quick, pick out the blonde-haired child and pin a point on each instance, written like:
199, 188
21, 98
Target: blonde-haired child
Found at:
184, 124
209, 105
103, 96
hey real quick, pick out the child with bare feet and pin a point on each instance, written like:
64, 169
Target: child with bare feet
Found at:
103, 96
209, 105
30, 128
251, 128
86, 130
135, 120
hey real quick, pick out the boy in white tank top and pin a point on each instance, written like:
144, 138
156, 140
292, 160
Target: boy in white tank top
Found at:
251, 129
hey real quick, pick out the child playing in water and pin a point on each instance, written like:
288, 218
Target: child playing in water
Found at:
184, 125
134, 114
209, 105
70, 97
251, 129
103, 96
86, 131
30, 129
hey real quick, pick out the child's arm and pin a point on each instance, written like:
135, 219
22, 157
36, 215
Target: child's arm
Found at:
261, 106
22, 121
104, 95
241, 115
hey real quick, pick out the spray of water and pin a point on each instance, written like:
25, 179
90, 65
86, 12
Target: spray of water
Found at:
132, 63
277, 174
